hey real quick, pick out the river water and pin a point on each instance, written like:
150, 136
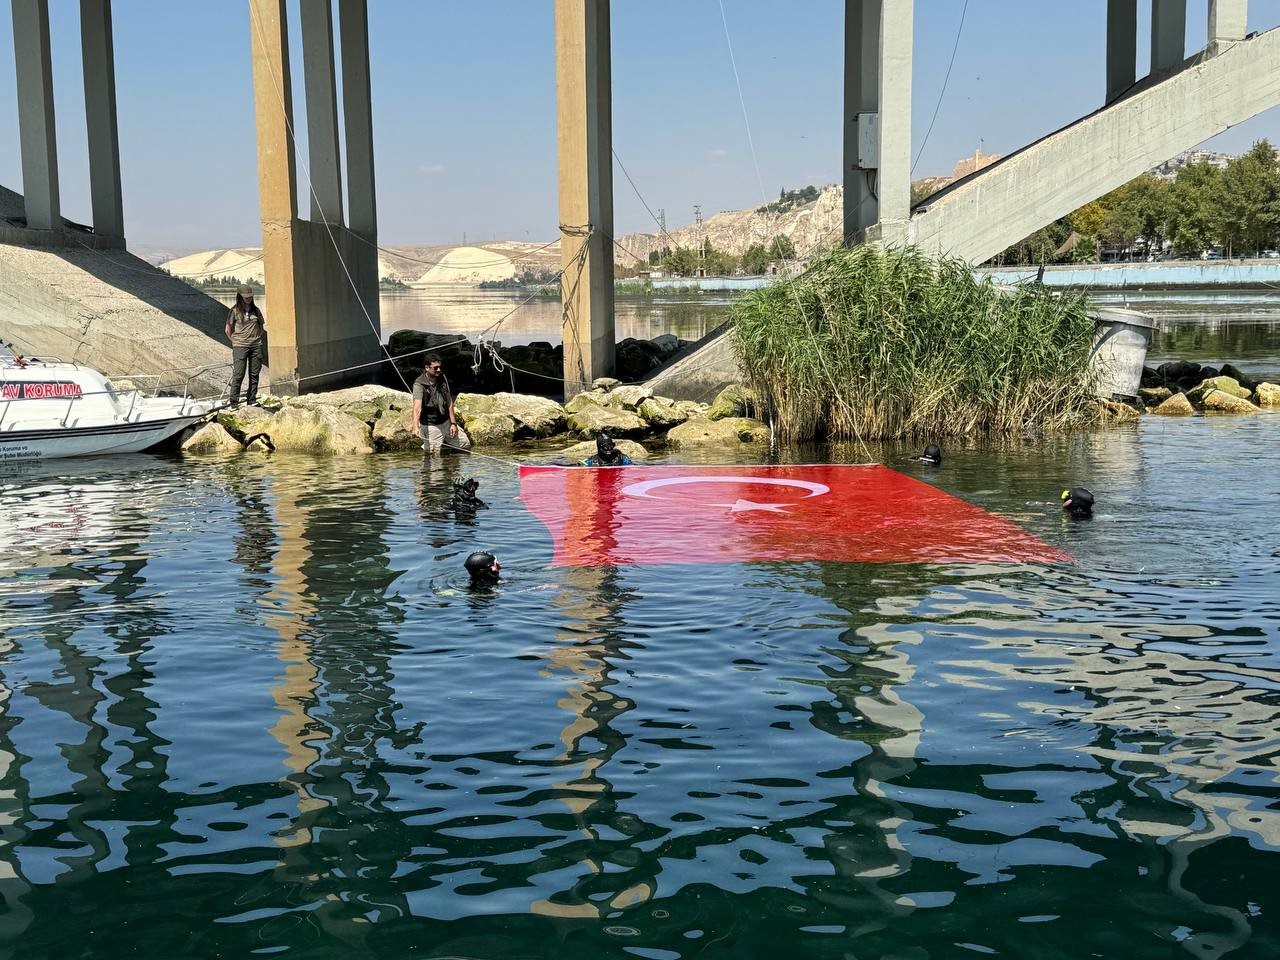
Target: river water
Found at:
247, 706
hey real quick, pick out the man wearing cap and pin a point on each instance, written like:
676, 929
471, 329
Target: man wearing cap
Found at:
245, 330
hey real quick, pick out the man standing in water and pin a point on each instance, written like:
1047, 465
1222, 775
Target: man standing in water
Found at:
433, 408
246, 329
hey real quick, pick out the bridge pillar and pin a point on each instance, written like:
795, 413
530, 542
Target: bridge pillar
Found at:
322, 282
1168, 34
322, 111
584, 123
1228, 22
97, 51
877, 140
357, 118
1122, 46
35, 114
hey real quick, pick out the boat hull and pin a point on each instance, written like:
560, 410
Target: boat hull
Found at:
51, 443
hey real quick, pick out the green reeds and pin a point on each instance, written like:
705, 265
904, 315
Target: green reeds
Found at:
875, 344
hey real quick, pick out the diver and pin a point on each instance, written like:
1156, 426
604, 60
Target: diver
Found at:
607, 454
932, 456
464, 496
483, 568
1078, 502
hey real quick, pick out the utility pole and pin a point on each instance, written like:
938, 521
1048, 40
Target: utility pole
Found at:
702, 246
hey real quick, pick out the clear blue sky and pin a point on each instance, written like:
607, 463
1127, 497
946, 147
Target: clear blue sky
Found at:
464, 106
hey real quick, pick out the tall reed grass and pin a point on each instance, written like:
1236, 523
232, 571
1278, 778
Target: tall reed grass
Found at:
876, 344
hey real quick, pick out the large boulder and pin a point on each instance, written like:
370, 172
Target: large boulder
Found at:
1267, 395
692, 408
605, 383
211, 438
490, 428
395, 431
1219, 401
1217, 384
628, 397
1239, 376
367, 403
588, 398
580, 451
1154, 396
661, 413
1176, 371
533, 416
1113, 411
316, 430
1175, 406
591, 420
734, 400
727, 431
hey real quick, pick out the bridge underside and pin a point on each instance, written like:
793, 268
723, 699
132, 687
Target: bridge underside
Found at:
977, 217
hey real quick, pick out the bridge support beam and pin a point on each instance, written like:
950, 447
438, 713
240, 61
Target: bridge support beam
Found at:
1122, 46
584, 123
322, 111
1168, 35
97, 50
877, 133
362, 212
36, 130
1228, 22
322, 284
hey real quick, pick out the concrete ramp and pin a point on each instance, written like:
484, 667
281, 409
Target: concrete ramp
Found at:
988, 211
112, 311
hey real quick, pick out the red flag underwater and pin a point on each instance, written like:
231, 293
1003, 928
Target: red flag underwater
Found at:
609, 516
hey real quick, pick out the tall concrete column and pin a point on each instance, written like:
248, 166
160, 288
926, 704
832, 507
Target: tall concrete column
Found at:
35, 114
584, 120
1228, 22
1122, 46
353, 25
861, 109
324, 159
1168, 34
877, 141
97, 50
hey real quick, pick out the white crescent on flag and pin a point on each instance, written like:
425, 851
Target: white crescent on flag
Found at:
740, 506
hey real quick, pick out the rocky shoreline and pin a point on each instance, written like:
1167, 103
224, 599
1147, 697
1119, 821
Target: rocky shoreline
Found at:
1181, 388
377, 419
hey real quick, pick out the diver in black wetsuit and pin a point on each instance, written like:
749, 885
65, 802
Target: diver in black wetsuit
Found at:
1078, 503
483, 568
932, 455
607, 454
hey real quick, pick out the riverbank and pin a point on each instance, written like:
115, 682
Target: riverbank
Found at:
1166, 275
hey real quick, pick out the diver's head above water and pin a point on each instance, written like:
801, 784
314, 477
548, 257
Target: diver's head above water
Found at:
1078, 502
483, 568
606, 449
932, 455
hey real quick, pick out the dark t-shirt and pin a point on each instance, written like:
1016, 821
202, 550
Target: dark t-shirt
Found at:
435, 399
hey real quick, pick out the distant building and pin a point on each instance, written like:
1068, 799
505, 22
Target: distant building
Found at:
1169, 169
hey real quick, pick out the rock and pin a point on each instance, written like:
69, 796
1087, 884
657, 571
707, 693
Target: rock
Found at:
490, 428
1267, 395
1178, 370
592, 398
1219, 401
367, 403
319, 429
1151, 378
580, 451
666, 343
591, 420
661, 413
605, 383
533, 416
628, 397
395, 431
1177, 406
734, 400
246, 420
1116, 412
211, 438
1154, 396
728, 430
1216, 384
1239, 376
692, 408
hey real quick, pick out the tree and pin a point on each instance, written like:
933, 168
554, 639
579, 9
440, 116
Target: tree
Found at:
1189, 211
781, 248
681, 261
1245, 200
755, 259
718, 263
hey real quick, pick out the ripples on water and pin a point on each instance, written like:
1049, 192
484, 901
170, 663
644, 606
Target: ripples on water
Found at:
249, 706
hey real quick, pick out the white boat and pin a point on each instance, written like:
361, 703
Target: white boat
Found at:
49, 408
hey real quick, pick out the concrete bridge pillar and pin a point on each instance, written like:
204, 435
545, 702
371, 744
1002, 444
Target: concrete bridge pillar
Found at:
1168, 34
97, 51
322, 111
36, 130
1228, 22
584, 123
1122, 46
357, 118
321, 279
877, 140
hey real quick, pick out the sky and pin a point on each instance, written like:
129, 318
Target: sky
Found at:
464, 106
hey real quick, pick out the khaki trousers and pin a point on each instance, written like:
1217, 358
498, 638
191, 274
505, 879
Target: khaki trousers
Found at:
436, 437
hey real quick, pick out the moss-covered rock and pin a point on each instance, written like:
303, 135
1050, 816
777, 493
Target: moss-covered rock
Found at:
490, 428
661, 413
1154, 396
395, 431
580, 451
605, 383
692, 408
700, 432
1267, 395
1219, 384
588, 398
1220, 401
734, 400
533, 416
1113, 411
316, 430
211, 438
1175, 406
589, 421
628, 397
367, 403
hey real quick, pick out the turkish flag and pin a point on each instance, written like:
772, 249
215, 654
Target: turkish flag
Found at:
608, 516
